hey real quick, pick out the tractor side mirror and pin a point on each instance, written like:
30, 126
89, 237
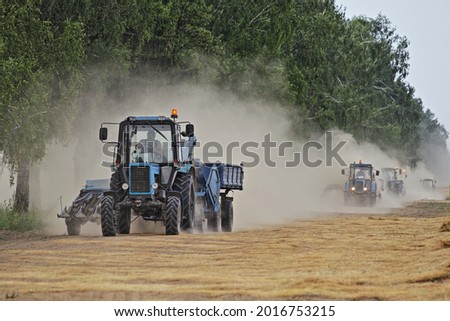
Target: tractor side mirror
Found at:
189, 130
343, 171
377, 173
103, 134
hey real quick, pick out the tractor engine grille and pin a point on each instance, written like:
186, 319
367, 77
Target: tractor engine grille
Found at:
359, 186
139, 179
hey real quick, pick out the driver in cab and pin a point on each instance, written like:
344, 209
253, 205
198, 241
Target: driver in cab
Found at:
151, 147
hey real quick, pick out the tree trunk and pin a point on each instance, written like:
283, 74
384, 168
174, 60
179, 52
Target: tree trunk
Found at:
22, 199
35, 187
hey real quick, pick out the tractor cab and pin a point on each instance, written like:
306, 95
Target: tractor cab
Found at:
361, 177
148, 152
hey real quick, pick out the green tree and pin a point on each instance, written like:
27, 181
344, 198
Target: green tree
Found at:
40, 76
316, 64
375, 102
255, 36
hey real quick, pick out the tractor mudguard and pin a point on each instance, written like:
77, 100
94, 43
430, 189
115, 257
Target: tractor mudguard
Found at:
114, 194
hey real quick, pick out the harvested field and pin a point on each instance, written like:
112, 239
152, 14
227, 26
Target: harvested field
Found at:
403, 255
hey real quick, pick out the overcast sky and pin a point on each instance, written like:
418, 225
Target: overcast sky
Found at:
426, 24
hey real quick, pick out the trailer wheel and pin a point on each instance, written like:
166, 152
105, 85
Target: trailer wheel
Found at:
214, 221
227, 215
172, 215
107, 216
124, 221
184, 183
73, 227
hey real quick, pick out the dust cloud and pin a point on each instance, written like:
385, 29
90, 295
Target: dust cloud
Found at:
272, 194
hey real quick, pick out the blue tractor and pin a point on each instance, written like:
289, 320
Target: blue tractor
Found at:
391, 181
360, 187
156, 177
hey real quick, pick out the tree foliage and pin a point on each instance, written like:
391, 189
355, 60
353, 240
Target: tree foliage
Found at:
39, 65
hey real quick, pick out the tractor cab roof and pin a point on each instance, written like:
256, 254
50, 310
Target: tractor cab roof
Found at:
148, 119
359, 165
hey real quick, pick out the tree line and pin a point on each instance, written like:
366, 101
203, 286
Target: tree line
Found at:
329, 71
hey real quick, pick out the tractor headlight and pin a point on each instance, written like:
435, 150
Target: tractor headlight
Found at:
365, 189
155, 185
353, 188
125, 186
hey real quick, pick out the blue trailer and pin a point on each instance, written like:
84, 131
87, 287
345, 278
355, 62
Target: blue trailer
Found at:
214, 202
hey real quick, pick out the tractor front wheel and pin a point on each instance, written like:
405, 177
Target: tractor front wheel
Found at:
172, 215
107, 216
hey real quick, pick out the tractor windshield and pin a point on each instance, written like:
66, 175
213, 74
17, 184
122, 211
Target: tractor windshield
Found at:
361, 172
389, 174
151, 143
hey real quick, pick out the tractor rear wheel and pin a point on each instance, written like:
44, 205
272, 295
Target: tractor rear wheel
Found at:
107, 216
184, 183
73, 227
124, 221
172, 215
227, 215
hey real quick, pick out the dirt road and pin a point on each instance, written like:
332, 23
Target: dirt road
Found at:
403, 255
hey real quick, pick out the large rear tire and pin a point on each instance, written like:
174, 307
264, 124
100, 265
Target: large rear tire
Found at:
172, 215
107, 216
184, 183
227, 215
